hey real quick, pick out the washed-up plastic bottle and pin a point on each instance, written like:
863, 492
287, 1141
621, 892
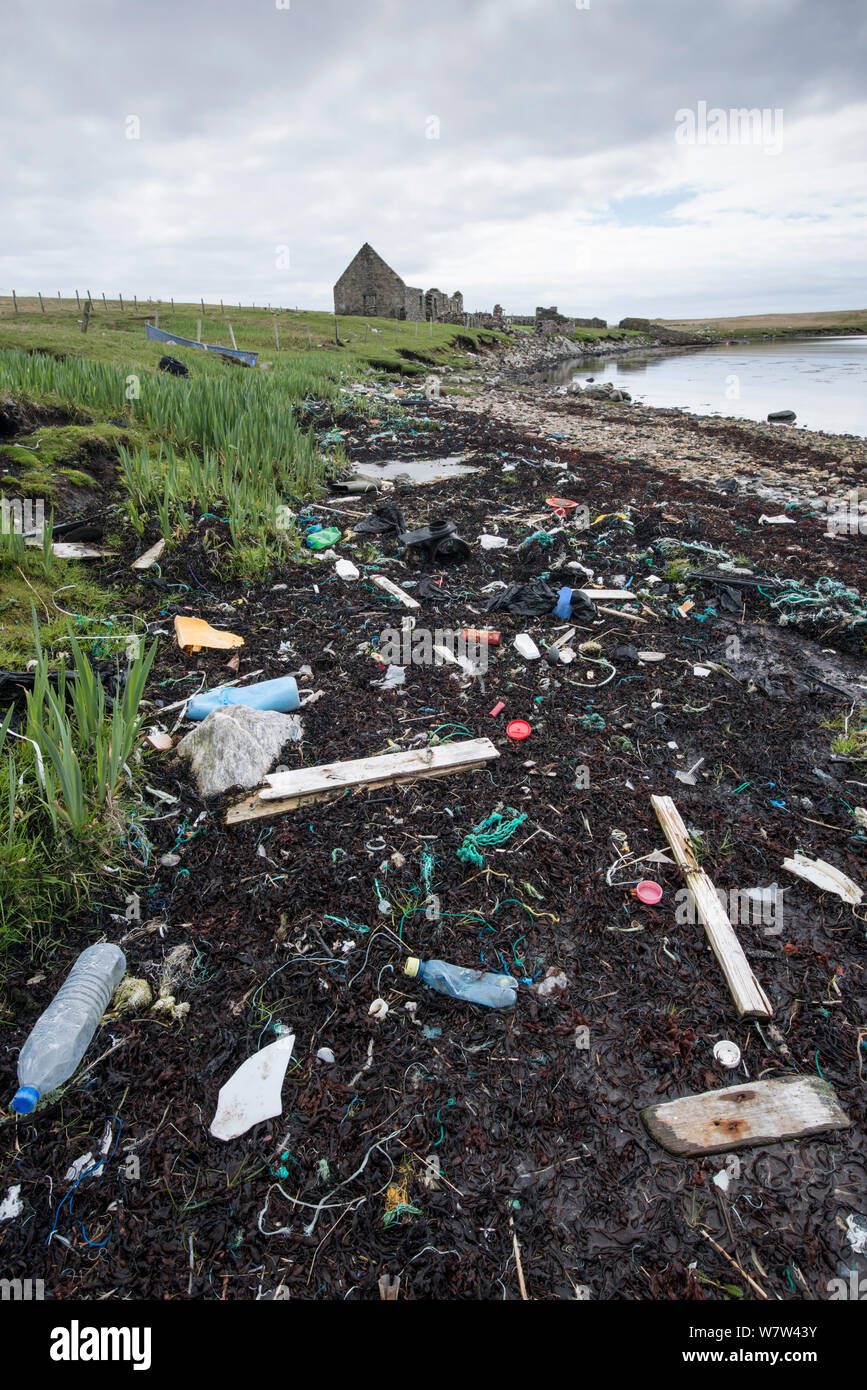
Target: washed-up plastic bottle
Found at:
476, 986
60, 1036
280, 694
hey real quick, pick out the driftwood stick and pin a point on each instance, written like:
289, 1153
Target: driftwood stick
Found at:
744, 988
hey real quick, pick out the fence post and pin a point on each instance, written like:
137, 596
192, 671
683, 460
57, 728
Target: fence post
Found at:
120, 297
276, 336
59, 300
156, 318
202, 302
232, 336
104, 305
41, 305
198, 330
15, 301
336, 339
86, 316
78, 300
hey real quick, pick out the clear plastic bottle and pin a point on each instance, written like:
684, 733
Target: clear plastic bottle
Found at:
476, 986
59, 1038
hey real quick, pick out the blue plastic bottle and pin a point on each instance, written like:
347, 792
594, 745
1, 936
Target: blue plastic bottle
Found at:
281, 695
476, 986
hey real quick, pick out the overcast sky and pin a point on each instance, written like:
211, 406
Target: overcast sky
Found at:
525, 151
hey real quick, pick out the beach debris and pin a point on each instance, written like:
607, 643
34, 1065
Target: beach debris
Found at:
159, 740
345, 569
527, 648
396, 592
555, 981
176, 968
495, 829
12, 1205
824, 876
253, 1092
394, 676
727, 1053
488, 542
495, 991
193, 634
280, 695
131, 994
744, 988
287, 790
780, 520
518, 729
236, 746
62, 1033
323, 538
149, 557
756, 1112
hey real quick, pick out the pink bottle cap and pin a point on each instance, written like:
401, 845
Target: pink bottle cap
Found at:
648, 891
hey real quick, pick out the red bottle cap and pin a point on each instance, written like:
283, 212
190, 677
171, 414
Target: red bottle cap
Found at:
518, 729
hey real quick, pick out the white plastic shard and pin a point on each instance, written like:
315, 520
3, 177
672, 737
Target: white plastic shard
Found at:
824, 876
253, 1092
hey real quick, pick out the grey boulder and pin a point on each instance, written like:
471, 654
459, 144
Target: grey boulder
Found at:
235, 746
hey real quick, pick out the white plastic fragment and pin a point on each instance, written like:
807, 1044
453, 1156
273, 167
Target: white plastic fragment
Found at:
856, 1232
347, 570
253, 1092
325, 1055
378, 1009
493, 542
394, 676
526, 646
824, 876
12, 1205
781, 520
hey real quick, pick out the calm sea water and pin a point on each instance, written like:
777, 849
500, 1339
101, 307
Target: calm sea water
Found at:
824, 380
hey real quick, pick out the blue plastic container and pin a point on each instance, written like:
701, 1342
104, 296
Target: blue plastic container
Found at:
280, 695
563, 608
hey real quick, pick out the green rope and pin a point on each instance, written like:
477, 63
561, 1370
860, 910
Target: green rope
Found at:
494, 830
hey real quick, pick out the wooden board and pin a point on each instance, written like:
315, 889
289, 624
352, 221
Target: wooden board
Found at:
149, 557
745, 990
288, 790
757, 1112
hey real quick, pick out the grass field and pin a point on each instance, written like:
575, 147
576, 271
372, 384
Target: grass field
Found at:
116, 335
840, 321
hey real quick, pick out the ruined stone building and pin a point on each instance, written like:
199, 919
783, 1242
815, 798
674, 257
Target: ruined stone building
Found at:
370, 288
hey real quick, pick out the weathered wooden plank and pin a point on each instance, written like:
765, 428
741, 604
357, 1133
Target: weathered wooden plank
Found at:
395, 591
288, 790
757, 1112
745, 990
149, 557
